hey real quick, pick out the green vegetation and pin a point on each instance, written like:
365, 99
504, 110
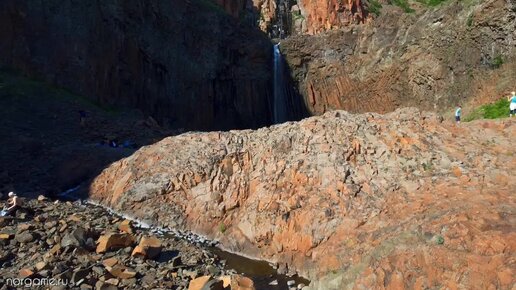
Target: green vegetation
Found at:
499, 109
497, 61
222, 228
427, 166
469, 22
432, 3
403, 4
439, 240
375, 7
297, 15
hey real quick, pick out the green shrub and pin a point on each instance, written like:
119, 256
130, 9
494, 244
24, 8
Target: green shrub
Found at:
497, 61
375, 7
297, 15
403, 4
499, 109
469, 22
222, 228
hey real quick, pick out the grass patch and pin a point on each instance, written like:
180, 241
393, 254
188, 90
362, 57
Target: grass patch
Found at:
375, 7
497, 61
499, 109
403, 4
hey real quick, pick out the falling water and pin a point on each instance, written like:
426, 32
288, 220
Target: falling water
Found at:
280, 101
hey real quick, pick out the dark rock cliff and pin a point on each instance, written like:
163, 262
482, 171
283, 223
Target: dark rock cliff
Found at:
186, 63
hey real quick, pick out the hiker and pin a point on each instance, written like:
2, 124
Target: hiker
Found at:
458, 113
82, 118
512, 104
13, 203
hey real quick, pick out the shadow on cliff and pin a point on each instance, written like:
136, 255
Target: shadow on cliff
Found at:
188, 64
45, 150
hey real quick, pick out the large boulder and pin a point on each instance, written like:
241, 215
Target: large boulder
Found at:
343, 199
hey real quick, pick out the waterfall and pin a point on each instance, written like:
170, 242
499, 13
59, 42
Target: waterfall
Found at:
280, 114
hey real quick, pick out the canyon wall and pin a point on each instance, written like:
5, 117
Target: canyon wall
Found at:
186, 63
433, 58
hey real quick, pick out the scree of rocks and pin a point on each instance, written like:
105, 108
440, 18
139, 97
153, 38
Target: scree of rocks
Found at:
87, 247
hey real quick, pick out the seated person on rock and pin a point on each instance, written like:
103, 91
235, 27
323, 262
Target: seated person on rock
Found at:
13, 203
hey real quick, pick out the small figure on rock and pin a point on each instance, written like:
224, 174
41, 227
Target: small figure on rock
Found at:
458, 113
512, 104
13, 203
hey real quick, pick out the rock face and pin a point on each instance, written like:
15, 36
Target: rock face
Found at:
298, 16
183, 62
432, 59
365, 201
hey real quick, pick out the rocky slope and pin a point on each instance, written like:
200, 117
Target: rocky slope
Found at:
402, 200
433, 58
80, 246
183, 62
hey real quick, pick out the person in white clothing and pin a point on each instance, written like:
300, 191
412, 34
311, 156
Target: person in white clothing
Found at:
512, 104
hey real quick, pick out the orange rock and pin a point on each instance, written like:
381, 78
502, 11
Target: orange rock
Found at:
6, 236
121, 272
110, 262
457, 171
112, 241
149, 247
26, 273
126, 227
239, 282
198, 283
226, 280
